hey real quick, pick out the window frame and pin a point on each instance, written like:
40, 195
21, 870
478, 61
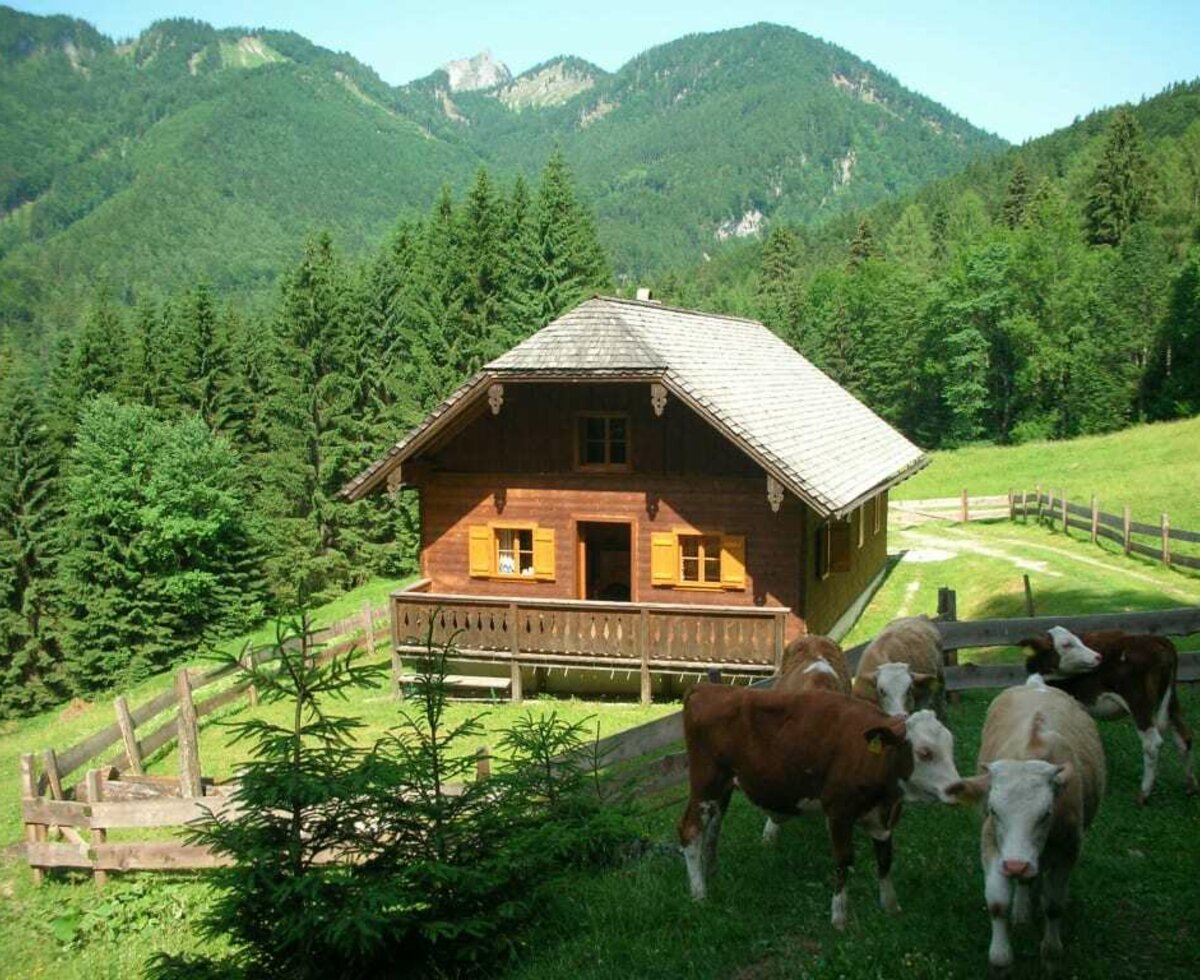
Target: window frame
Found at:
607, 466
728, 543
702, 558
494, 529
498, 530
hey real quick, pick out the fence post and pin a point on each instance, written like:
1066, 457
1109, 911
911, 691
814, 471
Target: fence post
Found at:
125, 723
99, 836
643, 642
1050, 506
1127, 523
33, 832
1166, 540
190, 786
948, 612
1024, 507
1038, 491
780, 628
1028, 598
1095, 518
248, 661
483, 763
53, 780
369, 627
516, 694
1012, 504
1066, 527
966, 512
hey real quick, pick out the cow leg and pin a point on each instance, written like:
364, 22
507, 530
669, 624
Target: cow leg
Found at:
770, 832
997, 890
1182, 736
1151, 743
712, 832
696, 834
841, 838
1054, 900
876, 826
1022, 912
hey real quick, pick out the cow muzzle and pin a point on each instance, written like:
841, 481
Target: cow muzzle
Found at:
1018, 869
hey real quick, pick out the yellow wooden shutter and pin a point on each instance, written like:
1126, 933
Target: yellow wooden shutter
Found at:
839, 547
480, 550
733, 561
663, 558
543, 552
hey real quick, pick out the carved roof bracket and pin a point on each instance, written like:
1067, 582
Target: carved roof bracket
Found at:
774, 493
658, 397
496, 397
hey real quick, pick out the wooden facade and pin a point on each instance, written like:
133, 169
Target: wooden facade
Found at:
512, 510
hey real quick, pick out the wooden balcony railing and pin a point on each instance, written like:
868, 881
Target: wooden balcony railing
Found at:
645, 636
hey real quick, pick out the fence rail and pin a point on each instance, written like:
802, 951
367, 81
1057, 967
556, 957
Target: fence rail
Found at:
1053, 508
962, 508
120, 794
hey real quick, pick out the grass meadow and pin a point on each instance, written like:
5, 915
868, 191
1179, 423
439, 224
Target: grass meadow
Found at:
1135, 909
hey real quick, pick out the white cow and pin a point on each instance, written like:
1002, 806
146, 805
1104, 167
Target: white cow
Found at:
1043, 777
902, 668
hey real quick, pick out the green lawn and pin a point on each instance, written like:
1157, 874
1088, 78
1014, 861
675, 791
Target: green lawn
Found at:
1153, 468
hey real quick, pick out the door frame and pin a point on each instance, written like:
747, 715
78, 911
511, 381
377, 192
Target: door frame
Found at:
581, 551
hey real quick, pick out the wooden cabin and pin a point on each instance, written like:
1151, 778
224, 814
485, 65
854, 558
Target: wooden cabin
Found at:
644, 490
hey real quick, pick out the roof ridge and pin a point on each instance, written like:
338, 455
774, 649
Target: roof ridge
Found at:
655, 305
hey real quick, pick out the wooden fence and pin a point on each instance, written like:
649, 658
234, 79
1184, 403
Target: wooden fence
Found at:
1053, 508
120, 794
84, 821
962, 508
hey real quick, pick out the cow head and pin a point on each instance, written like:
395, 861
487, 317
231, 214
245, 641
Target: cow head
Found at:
933, 771
1021, 795
1060, 651
896, 684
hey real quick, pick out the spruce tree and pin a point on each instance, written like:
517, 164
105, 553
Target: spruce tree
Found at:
570, 261
862, 247
30, 511
777, 292
1120, 186
1016, 198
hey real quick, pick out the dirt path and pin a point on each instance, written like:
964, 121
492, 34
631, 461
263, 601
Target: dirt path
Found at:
961, 539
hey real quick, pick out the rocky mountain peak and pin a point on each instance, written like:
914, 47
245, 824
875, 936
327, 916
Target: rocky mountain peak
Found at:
481, 71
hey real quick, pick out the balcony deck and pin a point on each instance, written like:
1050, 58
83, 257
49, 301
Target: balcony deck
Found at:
648, 637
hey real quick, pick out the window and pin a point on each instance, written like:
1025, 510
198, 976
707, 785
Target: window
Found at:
832, 548
511, 551
514, 551
603, 442
688, 559
700, 558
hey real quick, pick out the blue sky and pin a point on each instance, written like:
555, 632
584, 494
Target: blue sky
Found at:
1019, 69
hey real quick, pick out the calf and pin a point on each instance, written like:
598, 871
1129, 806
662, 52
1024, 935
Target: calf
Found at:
1113, 673
1043, 778
815, 750
813, 663
902, 668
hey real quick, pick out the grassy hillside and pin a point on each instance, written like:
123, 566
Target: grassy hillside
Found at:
1153, 468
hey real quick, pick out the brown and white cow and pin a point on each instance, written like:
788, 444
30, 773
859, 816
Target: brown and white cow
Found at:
813, 663
1114, 673
811, 751
1043, 779
902, 668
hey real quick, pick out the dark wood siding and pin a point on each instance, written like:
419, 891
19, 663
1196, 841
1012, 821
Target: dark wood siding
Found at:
536, 429
826, 599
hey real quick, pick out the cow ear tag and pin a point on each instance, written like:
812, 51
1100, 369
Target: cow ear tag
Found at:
875, 745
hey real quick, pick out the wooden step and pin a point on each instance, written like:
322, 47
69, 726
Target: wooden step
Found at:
464, 680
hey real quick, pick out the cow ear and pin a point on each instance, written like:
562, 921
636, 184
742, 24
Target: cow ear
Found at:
971, 790
1062, 775
919, 678
887, 734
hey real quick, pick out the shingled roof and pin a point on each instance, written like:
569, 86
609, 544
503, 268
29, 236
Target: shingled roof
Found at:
803, 428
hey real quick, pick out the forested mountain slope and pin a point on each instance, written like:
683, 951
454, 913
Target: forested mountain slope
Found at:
1049, 292
195, 152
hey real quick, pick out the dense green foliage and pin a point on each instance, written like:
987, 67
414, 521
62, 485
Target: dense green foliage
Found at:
1049, 294
172, 471
429, 881
199, 153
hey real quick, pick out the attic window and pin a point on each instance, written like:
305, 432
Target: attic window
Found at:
603, 442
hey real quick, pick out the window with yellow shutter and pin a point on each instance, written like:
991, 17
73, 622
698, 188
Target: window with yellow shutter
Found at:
691, 560
511, 551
